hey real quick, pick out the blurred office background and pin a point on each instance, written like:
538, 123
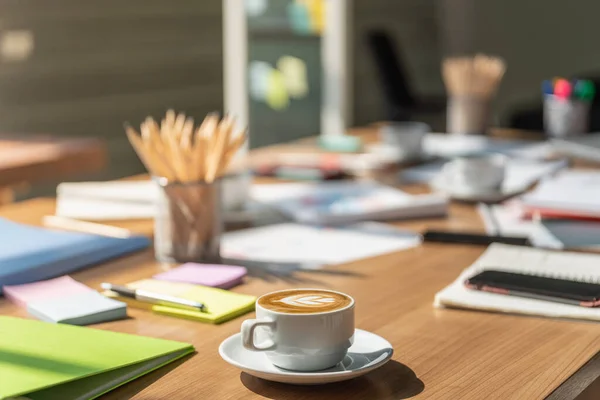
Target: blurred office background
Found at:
82, 68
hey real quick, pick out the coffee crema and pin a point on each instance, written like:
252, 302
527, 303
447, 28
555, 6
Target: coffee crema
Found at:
304, 301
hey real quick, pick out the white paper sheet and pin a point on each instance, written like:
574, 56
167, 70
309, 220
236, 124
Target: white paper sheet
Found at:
570, 190
301, 243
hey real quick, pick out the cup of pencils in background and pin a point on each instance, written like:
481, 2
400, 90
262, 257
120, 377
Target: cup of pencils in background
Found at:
567, 106
471, 83
188, 164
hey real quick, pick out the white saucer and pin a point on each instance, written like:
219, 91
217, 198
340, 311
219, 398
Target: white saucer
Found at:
391, 155
464, 193
369, 352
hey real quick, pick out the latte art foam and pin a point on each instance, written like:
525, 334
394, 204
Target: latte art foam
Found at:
304, 301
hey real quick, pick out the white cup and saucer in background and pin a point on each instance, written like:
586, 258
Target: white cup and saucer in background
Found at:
401, 141
306, 337
473, 177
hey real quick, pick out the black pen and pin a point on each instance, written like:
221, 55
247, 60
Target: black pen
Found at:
154, 298
473, 238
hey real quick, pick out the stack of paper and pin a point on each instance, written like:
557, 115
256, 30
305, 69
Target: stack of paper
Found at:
222, 305
47, 361
114, 200
570, 194
121, 200
295, 243
29, 254
64, 300
345, 202
565, 265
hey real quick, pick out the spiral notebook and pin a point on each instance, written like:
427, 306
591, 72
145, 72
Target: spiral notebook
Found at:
563, 265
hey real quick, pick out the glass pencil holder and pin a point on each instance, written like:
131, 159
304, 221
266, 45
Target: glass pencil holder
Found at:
188, 223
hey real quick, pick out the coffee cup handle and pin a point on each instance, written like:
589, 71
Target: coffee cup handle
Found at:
248, 327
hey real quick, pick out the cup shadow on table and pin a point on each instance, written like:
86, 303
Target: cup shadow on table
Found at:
393, 380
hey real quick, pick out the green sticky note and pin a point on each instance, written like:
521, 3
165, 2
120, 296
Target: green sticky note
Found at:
277, 95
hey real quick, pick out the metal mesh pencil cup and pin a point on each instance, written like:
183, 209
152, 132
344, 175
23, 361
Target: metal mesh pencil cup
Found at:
565, 117
468, 115
189, 221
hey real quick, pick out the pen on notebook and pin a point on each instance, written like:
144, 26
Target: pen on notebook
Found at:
154, 298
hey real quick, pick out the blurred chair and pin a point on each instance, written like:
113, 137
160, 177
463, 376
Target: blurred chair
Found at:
401, 101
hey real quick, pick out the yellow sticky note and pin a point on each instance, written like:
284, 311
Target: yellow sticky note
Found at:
277, 95
316, 12
222, 305
294, 75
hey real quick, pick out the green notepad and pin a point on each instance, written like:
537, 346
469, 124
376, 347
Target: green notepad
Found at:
45, 361
222, 305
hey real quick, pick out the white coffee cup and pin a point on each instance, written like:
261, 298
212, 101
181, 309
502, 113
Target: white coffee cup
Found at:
406, 138
482, 172
301, 341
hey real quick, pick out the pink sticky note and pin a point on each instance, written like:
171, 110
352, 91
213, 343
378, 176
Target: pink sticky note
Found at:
219, 276
43, 290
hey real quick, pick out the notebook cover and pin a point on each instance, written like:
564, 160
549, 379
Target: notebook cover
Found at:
38, 355
29, 254
222, 305
219, 276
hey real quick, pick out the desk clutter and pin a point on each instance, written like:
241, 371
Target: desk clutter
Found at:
322, 223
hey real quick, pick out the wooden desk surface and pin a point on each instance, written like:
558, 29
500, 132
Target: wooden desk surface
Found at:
439, 354
30, 159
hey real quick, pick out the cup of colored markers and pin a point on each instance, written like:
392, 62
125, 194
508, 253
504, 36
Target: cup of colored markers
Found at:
567, 106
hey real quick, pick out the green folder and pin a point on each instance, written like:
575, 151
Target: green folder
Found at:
42, 361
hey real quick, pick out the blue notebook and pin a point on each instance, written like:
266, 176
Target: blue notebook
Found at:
30, 254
